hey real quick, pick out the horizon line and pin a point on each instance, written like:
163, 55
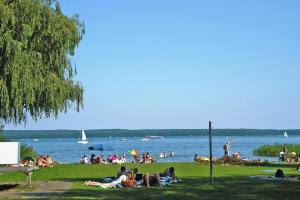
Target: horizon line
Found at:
153, 129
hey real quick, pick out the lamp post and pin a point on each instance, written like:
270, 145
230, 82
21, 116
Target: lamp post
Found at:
210, 155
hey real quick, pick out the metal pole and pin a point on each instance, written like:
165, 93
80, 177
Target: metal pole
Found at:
210, 155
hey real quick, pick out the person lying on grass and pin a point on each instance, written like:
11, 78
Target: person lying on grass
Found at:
151, 180
126, 181
125, 178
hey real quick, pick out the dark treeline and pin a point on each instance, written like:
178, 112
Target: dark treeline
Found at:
17, 134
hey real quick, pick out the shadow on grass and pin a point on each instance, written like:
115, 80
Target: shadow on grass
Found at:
194, 188
5, 187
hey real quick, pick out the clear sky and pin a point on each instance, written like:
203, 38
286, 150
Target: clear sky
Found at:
179, 64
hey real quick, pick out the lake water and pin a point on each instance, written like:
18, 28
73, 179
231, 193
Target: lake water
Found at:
67, 150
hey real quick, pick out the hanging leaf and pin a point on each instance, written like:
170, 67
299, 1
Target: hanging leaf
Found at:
37, 42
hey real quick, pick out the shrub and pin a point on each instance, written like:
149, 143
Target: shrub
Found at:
275, 149
28, 151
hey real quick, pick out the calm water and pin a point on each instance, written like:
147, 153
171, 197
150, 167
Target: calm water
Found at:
67, 150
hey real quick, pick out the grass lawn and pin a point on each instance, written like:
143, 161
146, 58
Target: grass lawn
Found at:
230, 182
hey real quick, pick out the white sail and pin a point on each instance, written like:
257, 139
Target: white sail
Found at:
285, 134
83, 138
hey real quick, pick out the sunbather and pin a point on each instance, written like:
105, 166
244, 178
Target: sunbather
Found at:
84, 160
93, 159
42, 162
101, 160
49, 160
147, 158
115, 159
151, 180
137, 159
123, 158
169, 172
109, 158
126, 181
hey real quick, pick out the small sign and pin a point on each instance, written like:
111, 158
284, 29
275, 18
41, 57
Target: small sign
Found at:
9, 152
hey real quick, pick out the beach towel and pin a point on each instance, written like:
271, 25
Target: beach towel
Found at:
164, 181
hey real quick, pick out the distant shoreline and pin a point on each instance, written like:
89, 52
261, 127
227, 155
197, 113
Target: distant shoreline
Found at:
30, 134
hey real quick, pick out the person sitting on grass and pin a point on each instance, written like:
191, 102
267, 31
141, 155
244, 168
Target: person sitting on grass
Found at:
151, 180
28, 161
147, 158
137, 159
123, 158
109, 158
101, 160
93, 159
122, 171
115, 159
49, 160
169, 172
236, 155
42, 162
84, 160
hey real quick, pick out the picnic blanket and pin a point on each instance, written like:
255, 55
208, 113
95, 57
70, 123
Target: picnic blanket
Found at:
167, 180
164, 181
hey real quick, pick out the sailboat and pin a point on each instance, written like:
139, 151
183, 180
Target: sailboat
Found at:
285, 135
82, 138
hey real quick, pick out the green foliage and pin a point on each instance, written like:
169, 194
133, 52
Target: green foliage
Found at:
275, 149
2, 137
36, 74
28, 151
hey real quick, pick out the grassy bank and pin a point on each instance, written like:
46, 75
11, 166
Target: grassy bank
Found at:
230, 182
274, 149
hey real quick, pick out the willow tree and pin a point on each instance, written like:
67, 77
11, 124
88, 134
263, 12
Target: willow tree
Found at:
37, 42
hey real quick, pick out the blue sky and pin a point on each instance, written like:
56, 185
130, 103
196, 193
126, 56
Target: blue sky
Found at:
179, 64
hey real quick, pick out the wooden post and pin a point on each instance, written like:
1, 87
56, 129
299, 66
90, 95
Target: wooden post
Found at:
210, 155
29, 179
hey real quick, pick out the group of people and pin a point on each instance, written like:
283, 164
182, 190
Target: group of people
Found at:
226, 148
44, 161
131, 178
41, 161
115, 159
285, 155
165, 154
145, 158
